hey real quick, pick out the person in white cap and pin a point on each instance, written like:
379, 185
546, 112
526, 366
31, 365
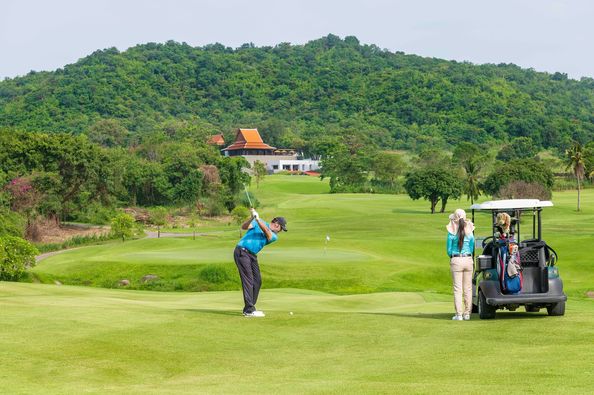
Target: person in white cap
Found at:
460, 247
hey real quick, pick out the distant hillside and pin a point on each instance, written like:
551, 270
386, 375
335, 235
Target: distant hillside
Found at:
293, 93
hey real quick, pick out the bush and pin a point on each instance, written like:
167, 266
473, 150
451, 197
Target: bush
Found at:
214, 274
16, 256
95, 213
386, 187
244, 201
527, 170
564, 184
240, 214
122, 225
212, 207
11, 223
524, 190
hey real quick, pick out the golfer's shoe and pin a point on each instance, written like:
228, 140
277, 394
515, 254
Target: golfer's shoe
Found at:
457, 318
466, 317
255, 313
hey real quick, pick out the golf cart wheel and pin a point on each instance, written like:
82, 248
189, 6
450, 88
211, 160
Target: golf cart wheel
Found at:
556, 309
486, 312
532, 309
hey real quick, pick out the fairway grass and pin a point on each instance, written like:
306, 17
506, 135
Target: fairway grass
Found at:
65, 339
371, 308
378, 243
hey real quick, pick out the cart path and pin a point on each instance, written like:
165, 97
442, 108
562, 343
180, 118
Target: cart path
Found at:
148, 235
41, 257
153, 235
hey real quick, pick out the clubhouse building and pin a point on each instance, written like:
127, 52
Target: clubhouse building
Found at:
249, 144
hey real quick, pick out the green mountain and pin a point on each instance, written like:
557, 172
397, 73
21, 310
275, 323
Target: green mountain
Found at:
294, 93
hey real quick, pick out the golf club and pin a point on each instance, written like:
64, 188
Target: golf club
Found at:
248, 196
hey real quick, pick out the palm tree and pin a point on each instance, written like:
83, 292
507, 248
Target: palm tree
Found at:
472, 167
575, 162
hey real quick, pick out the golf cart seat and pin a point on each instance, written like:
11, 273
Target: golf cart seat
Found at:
533, 253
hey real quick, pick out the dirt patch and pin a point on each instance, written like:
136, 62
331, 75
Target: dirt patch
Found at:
50, 232
590, 294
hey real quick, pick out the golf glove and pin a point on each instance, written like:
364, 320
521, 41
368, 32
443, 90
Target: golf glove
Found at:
255, 214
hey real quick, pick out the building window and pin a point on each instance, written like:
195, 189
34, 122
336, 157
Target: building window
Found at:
286, 167
274, 167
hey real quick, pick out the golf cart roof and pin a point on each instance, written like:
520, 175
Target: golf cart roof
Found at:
511, 204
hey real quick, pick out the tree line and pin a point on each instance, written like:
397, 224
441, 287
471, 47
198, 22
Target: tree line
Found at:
66, 177
514, 170
295, 94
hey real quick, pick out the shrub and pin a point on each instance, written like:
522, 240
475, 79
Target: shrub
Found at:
16, 256
158, 217
11, 223
527, 170
244, 201
122, 225
211, 207
95, 213
524, 190
214, 274
240, 214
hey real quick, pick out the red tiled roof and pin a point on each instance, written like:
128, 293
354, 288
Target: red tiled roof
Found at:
216, 139
248, 139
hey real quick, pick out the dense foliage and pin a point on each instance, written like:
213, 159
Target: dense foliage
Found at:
433, 184
295, 93
527, 170
122, 226
69, 177
16, 256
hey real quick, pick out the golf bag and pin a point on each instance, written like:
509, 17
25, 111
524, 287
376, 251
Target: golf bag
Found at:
509, 267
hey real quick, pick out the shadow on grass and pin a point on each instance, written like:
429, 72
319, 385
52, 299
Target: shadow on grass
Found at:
433, 316
220, 312
448, 316
510, 315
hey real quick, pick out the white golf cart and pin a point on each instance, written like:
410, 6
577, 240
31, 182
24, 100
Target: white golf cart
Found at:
541, 286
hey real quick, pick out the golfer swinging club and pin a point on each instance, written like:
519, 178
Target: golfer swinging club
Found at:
258, 235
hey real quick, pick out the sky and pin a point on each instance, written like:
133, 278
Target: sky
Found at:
545, 35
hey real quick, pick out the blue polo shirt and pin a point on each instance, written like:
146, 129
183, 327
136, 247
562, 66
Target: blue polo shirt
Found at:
467, 246
255, 239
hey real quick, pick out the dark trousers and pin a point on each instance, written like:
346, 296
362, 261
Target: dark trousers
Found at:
251, 281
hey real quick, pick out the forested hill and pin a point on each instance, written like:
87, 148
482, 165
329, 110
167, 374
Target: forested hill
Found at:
293, 93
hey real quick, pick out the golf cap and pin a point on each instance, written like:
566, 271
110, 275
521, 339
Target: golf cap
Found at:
281, 221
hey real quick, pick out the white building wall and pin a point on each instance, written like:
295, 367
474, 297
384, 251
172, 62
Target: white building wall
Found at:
277, 163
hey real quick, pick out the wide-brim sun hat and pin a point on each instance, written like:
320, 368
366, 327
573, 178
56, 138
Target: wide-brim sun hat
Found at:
455, 218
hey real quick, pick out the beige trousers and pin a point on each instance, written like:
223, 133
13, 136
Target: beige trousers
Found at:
461, 268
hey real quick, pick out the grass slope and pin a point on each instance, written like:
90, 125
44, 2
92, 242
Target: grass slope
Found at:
345, 336
377, 243
59, 340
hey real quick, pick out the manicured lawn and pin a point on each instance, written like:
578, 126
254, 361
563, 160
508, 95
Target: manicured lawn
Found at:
377, 243
88, 340
372, 310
